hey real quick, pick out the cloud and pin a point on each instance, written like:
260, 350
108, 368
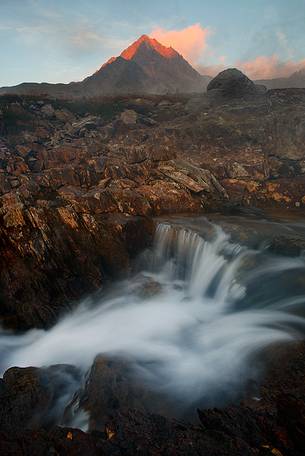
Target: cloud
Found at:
284, 43
214, 68
210, 70
191, 41
84, 39
79, 39
5, 28
268, 67
261, 67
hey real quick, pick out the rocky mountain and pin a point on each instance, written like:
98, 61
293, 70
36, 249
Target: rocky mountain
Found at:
296, 80
144, 67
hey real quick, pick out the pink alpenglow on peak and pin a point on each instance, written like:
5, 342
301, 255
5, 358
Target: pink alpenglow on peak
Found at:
145, 67
149, 43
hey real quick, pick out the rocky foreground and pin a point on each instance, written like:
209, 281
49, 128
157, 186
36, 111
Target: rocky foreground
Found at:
80, 184
81, 181
272, 423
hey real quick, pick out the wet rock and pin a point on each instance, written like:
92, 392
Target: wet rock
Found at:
131, 435
149, 289
31, 398
291, 415
274, 425
231, 208
287, 245
112, 387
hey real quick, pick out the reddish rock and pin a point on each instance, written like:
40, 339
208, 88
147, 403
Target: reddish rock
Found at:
63, 175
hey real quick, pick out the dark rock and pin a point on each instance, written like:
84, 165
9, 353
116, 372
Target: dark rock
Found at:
112, 387
49, 278
287, 245
273, 425
232, 83
31, 398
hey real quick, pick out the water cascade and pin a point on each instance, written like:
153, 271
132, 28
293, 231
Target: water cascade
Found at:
192, 319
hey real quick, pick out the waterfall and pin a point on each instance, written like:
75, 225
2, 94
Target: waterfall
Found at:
191, 320
197, 260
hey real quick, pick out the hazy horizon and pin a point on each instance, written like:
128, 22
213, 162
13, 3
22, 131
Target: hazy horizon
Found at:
64, 41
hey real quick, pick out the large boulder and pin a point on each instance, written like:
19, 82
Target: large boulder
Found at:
232, 83
112, 387
31, 397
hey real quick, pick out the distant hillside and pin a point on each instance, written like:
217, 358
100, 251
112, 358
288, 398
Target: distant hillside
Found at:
296, 80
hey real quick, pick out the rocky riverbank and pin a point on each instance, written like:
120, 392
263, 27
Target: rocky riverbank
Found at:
271, 424
73, 174
80, 184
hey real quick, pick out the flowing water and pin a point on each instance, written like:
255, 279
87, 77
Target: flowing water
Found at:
193, 319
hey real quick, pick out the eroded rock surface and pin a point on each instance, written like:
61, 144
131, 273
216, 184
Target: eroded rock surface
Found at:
72, 175
77, 192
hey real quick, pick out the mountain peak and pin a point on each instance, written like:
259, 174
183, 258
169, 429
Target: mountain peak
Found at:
146, 66
144, 38
148, 43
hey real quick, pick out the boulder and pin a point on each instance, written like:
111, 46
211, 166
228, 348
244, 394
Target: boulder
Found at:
31, 397
232, 83
111, 388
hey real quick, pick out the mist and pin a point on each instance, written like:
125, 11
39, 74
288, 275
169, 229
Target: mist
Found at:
184, 320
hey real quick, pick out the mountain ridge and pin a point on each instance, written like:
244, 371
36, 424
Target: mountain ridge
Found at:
294, 81
146, 66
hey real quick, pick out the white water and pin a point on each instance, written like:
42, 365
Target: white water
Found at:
195, 336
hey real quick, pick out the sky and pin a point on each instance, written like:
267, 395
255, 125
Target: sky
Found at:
67, 40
